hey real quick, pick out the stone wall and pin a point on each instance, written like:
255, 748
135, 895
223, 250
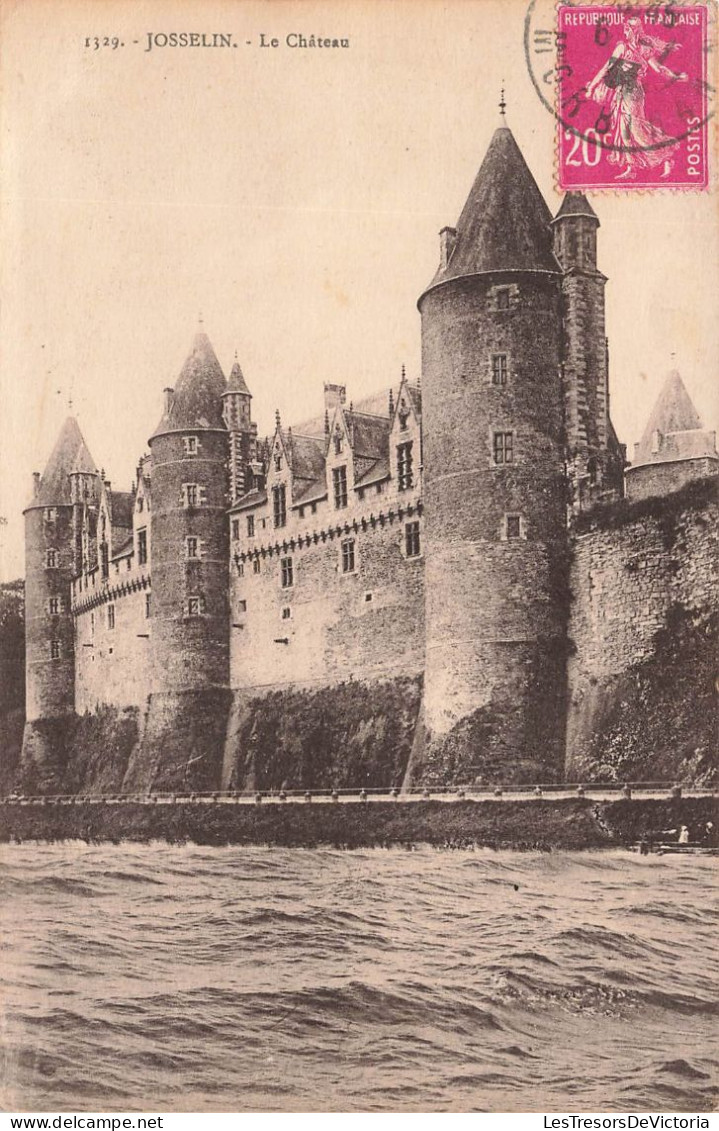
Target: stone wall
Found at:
330, 626
661, 478
112, 665
645, 580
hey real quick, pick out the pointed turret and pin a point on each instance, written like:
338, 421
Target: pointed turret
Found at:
504, 224
576, 204
69, 455
674, 448
674, 411
197, 398
236, 411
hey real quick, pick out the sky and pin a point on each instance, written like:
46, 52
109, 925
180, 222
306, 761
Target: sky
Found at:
293, 197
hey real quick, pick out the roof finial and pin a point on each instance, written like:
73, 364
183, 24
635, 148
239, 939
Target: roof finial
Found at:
391, 402
404, 371
327, 423
277, 418
502, 103
236, 357
200, 320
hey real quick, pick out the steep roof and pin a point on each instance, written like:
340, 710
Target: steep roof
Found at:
675, 417
236, 382
504, 225
197, 399
576, 204
122, 504
673, 411
69, 454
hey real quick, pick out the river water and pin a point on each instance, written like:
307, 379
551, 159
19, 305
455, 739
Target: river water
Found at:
169, 978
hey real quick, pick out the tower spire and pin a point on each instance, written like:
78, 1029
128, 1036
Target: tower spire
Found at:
502, 104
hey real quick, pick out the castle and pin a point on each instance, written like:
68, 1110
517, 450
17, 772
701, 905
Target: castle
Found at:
444, 582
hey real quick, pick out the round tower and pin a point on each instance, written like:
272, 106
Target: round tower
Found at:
189, 627
190, 550
494, 482
49, 631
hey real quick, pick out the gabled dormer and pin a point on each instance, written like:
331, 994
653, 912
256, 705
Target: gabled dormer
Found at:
339, 456
405, 439
279, 475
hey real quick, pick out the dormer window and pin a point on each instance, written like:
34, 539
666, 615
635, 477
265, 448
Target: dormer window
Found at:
279, 505
405, 476
191, 445
339, 486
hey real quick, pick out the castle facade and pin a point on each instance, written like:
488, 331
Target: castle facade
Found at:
401, 589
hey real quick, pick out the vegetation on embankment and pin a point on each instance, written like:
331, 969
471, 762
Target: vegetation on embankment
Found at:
570, 823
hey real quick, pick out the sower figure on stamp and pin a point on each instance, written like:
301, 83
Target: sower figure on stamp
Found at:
638, 143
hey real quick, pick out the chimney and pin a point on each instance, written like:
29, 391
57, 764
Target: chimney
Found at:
334, 395
447, 240
169, 395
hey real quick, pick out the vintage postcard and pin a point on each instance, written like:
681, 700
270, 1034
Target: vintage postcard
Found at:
358, 551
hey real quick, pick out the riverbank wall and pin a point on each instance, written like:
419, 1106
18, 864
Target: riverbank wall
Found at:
539, 824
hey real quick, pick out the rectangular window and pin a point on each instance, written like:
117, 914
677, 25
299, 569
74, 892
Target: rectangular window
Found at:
287, 573
195, 606
499, 369
502, 298
110, 616
104, 561
250, 526
240, 569
514, 526
242, 606
278, 463
51, 559
54, 649
55, 605
50, 514
313, 508
338, 442
192, 494
190, 445
142, 547
404, 465
92, 624
235, 529
348, 556
503, 447
256, 565
279, 505
192, 547
148, 605
302, 512
411, 540
378, 488
339, 486
286, 612
140, 505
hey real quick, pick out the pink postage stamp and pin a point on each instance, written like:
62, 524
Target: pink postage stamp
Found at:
632, 96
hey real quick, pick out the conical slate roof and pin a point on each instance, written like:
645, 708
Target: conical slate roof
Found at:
197, 397
236, 382
576, 204
504, 225
674, 410
69, 454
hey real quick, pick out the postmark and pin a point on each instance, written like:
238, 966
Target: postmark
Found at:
632, 96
